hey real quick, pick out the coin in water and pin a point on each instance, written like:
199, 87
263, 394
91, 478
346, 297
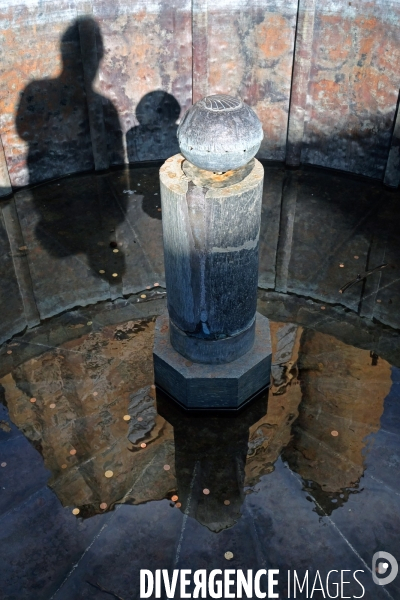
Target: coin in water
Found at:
322, 307
140, 418
52, 405
174, 498
95, 394
76, 511
33, 400
115, 250
108, 474
143, 295
228, 555
334, 433
3, 464
115, 274
64, 466
341, 265
102, 271
156, 285
143, 445
89, 323
103, 506
227, 502
127, 417
166, 467
178, 505
206, 491
148, 287
72, 452
9, 351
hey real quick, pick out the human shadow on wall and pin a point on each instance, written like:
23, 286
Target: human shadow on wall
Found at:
58, 118
155, 138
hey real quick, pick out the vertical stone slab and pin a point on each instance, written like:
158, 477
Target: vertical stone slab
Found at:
43, 110
63, 228
270, 223
12, 319
5, 183
250, 55
392, 171
20, 261
301, 75
200, 49
91, 55
146, 75
353, 87
288, 213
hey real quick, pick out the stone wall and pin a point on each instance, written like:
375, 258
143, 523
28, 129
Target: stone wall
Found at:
89, 83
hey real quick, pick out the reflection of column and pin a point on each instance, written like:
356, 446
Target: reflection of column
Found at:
342, 401
210, 453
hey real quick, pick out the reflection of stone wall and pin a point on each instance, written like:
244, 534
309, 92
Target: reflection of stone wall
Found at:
94, 381
271, 434
343, 392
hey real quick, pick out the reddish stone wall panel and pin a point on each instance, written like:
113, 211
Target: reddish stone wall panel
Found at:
354, 83
146, 72
250, 54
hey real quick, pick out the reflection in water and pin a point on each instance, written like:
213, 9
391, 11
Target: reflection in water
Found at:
84, 387
343, 391
210, 454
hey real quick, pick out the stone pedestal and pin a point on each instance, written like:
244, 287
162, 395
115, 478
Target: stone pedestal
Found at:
203, 386
211, 226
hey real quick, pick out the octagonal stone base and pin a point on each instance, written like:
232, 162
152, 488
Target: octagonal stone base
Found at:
203, 386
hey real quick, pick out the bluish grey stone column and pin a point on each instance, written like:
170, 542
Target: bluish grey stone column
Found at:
211, 226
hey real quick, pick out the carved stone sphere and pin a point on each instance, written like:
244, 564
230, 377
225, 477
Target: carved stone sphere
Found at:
220, 133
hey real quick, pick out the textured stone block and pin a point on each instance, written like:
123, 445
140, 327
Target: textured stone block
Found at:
196, 385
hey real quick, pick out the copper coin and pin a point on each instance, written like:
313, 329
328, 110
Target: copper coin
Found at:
334, 433
103, 506
159, 209
9, 351
143, 296
323, 307
72, 452
153, 387
228, 555
64, 466
174, 498
127, 417
3, 464
108, 474
33, 400
166, 467
341, 265
143, 445
156, 284
52, 405
95, 394
178, 505
115, 274
206, 491
102, 271
148, 287
76, 511
140, 418
356, 257
379, 301
227, 502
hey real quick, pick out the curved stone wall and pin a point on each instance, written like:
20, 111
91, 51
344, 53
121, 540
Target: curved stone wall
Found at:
87, 84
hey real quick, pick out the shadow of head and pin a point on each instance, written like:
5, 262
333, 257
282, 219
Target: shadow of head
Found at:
158, 109
87, 32
155, 137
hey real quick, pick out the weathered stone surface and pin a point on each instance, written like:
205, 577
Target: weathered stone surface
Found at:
342, 392
13, 317
211, 238
196, 385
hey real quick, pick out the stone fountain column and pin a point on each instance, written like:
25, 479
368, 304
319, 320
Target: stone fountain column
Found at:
213, 350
